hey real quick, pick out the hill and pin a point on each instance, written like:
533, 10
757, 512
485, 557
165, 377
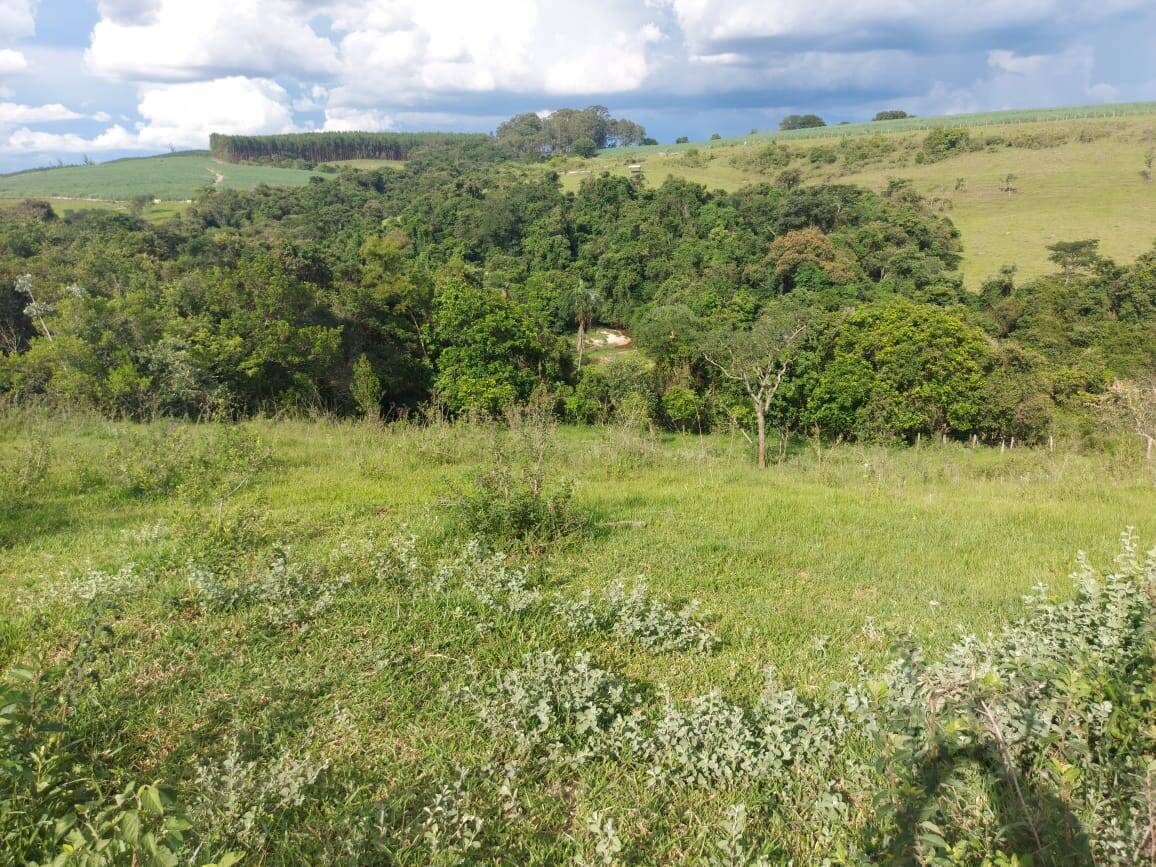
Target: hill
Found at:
171, 177
1077, 174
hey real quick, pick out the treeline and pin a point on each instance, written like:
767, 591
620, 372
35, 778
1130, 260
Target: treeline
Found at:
523, 137
568, 130
374, 293
320, 147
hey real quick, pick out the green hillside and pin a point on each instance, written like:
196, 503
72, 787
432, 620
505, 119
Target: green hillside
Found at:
1077, 175
171, 177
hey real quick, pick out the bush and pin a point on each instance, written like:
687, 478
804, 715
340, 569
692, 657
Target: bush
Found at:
945, 141
513, 501
683, 408
584, 147
1032, 744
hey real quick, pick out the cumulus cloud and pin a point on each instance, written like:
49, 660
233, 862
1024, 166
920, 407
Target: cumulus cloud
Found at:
192, 67
24, 140
444, 47
129, 11
13, 113
17, 19
184, 115
1009, 61
357, 119
179, 40
12, 61
174, 115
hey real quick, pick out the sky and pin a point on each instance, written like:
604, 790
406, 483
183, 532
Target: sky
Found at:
112, 78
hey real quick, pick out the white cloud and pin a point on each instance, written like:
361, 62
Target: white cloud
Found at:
439, 47
13, 113
25, 140
12, 61
174, 115
183, 115
1021, 82
129, 11
17, 19
1009, 61
183, 40
357, 119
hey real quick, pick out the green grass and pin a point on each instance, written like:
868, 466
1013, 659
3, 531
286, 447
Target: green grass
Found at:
173, 177
815, 545
977, 119
932, 540
1074, 190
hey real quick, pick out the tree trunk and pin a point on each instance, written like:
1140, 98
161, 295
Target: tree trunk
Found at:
761, 416
581, 339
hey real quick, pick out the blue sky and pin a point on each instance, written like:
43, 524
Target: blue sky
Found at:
111, 78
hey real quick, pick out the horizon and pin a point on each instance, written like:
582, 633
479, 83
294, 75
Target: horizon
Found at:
1094, 110
109, 79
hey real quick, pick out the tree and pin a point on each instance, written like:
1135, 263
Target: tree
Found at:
1074, 256
757, 359
682, 139
366, 389
891, 114
896, 369
714, 136
1135, 402
584, 147
584, 302
801, 121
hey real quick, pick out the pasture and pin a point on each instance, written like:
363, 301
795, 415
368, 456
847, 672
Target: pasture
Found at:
1073, 178
171, 177
359, 704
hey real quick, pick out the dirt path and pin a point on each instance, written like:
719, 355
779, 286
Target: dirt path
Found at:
217, 176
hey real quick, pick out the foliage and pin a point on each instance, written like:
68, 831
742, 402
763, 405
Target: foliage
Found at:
318, 147
945, 141
801, 121
55, 807
900, 369
513, 500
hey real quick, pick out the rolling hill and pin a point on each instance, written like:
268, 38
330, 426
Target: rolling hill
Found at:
171, 177
1075, 173
1025, 179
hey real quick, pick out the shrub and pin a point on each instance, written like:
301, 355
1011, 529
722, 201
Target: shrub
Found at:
287, 591
513, 501
636, 615
682, 407
242, 803
566, 710
945, 141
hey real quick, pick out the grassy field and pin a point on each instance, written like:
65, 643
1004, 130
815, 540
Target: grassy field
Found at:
174, 177
803, 566
1081, 180
815, 545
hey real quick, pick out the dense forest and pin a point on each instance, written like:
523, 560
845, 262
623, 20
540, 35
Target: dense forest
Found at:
318, 147
374, 292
